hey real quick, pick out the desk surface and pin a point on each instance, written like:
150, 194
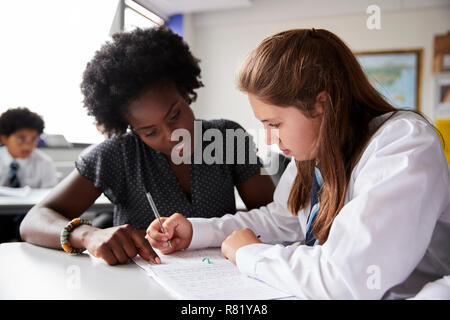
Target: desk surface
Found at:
21, 205
32, 272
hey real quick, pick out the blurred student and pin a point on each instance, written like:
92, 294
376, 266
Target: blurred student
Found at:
367, 194
21, 164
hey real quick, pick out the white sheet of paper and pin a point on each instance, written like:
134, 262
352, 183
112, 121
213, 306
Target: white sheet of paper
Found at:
15, 192
188, 275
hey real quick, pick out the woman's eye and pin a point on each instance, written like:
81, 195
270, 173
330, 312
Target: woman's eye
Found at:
176, 115
274, 125
150, 134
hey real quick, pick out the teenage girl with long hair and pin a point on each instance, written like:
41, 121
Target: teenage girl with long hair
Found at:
366, 194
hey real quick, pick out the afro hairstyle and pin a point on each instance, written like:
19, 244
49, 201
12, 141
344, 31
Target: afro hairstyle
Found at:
15, 119
130, 63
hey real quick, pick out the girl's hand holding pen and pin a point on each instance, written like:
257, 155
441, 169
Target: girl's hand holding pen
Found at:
177, 228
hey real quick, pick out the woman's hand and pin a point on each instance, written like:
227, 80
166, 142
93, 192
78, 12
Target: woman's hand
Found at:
118, 244
177, 229
236, 240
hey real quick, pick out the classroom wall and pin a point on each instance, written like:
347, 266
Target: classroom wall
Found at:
221, 40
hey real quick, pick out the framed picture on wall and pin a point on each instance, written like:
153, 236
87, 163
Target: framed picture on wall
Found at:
395, 74
442, 95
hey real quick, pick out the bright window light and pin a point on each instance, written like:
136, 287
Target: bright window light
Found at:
138, 16
133, 19
44, 51
45, 48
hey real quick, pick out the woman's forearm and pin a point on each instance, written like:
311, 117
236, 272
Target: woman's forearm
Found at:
44, 222
42, 226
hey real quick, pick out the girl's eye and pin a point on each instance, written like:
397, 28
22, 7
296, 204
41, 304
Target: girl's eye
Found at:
176, 115
274, 125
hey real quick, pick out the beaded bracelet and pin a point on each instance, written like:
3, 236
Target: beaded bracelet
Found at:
65, 235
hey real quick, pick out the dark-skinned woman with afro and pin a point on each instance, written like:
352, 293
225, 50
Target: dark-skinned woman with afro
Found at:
139, 86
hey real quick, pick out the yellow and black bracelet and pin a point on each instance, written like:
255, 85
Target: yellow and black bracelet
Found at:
65, 244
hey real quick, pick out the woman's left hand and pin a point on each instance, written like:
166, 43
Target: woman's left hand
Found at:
236, 240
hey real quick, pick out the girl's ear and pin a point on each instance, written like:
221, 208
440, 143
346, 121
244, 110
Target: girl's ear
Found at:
322, 97
321, 100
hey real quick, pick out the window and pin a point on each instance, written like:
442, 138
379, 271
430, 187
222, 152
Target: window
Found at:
136, 15
45, 48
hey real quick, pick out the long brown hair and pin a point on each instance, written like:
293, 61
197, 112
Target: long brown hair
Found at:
290, 69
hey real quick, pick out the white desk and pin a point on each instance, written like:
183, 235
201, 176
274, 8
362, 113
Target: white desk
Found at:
32, 272
21, 205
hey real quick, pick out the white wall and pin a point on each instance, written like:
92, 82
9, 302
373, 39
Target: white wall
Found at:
222, 40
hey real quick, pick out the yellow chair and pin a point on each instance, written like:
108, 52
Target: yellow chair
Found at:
443, 125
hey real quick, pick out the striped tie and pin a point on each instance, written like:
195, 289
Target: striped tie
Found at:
310, 240
13, 177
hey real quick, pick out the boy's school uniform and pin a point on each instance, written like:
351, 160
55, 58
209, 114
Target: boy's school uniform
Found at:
390, 239
36, 171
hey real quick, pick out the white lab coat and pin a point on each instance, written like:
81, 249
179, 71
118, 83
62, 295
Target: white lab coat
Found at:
391, 237
436, 290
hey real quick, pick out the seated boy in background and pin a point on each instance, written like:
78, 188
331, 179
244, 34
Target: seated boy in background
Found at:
21, 164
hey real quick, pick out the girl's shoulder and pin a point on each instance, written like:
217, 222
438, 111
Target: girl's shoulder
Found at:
401, 124
403, 135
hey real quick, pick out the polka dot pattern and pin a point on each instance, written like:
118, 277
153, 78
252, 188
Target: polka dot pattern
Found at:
124, 167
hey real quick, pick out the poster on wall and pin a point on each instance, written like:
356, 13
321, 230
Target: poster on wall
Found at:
395, 74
